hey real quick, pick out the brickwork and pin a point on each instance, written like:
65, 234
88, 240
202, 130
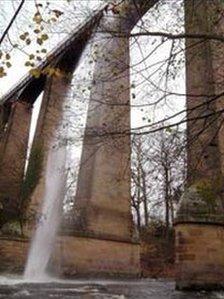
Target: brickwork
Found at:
77, 256
203, 150
46, 136
103, 203
199, 256
13, 254
200, 218
13, 152
215, 10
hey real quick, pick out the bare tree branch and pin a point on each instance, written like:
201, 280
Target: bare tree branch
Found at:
12, 21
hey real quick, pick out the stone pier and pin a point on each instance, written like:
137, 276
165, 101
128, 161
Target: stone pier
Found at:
50, 116
13, 151
14, 135
47, 134
102, 226
200, 218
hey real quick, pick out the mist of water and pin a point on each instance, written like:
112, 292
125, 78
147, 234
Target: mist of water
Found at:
45, 235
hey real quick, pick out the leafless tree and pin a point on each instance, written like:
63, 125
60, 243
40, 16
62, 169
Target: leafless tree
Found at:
158, 175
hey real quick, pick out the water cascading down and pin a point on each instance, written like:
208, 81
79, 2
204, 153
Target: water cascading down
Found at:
47, 227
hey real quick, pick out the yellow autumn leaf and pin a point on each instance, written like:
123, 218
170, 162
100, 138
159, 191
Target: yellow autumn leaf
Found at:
58, 72
35, 73
8, 64
36, 31
28, 41
37, 18
44, 37
51, 71
2, 72
22, 37
39, 41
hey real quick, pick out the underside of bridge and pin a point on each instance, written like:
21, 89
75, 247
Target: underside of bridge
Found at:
100, 239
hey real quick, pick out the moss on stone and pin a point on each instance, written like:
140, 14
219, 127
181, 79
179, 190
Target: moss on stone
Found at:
201, 202
12, 228
33, 173
208, 192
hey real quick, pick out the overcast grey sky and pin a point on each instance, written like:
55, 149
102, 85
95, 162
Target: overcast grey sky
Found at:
147, 79
75, 11
144, 75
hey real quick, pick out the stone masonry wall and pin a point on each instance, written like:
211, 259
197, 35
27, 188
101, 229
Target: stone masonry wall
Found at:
13, 254
199, 256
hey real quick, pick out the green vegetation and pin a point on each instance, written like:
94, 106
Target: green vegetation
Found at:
208, 192
33, 173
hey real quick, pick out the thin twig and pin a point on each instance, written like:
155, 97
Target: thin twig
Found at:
12, 21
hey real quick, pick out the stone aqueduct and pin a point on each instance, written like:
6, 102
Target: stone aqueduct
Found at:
100, 240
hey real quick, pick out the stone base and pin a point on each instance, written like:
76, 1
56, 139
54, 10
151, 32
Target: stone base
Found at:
13, 254
76, 256
83, 256
199, 256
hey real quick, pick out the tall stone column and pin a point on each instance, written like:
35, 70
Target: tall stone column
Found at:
14, 143
102, 203
216, 9
202, 133
4, 117
200, 219
46, 137
102, 226
56, 89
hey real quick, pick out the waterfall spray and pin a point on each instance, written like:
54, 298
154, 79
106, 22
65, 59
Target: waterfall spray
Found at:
47, 227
